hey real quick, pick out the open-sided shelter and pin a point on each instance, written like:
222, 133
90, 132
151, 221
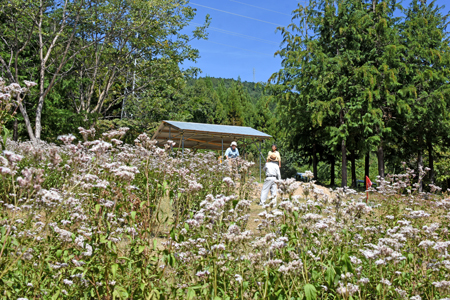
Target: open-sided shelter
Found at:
207, 136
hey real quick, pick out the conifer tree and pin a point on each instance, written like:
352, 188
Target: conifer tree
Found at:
425, 80
325, 76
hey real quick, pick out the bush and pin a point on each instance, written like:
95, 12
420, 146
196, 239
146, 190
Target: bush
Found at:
80, 220
103, 219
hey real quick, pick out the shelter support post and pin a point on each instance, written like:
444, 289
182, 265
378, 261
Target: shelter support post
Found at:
182, 145
179, 144
170, 136
222, 151
259, 161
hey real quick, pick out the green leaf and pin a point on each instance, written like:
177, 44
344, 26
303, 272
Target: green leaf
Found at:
283, 228
191, 293
347, 263
245, 285
171, 260
56, 295
5, 135
310, 292
157, 294
133, 215
120, 292
410, 257
114, 268
329, 276
124, 257
379, 288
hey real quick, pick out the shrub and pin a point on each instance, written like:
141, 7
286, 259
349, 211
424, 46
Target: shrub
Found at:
103, 219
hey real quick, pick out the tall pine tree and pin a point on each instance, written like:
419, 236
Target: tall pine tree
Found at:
425, 80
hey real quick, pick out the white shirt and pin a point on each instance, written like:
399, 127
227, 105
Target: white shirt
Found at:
272, 169
230, 153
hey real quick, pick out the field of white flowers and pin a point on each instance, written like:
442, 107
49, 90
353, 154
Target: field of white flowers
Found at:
84, 220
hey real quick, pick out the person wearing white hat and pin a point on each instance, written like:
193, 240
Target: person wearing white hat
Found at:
272, 174
232, 152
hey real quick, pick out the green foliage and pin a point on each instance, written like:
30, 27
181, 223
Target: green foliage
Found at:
130, 203
356, 78
207, 100
88, 57
214, 101
425, 81
310, 292
102, 219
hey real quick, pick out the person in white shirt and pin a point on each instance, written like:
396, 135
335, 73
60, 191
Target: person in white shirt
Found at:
275, 151
232, 152
272, 173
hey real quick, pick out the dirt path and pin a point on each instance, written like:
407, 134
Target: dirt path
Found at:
255, 209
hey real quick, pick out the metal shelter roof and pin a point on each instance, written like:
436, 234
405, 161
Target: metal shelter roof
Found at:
205, 136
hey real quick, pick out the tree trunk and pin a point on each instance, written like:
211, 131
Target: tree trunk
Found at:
26, 118
37, 124
420, 167
15, 130
40, 104
380, 156
344, 163
343, 149
353, 167
333, 175
315, 161
431, 162
366, 168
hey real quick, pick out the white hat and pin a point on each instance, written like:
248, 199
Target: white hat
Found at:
233, 144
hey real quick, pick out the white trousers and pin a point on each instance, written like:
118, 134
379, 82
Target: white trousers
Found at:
269, 185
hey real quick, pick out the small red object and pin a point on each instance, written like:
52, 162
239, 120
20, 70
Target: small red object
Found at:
368, 183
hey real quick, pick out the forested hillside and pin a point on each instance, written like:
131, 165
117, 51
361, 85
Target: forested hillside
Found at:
203, 100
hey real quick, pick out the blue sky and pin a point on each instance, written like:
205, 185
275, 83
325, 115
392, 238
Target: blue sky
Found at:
242, 36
